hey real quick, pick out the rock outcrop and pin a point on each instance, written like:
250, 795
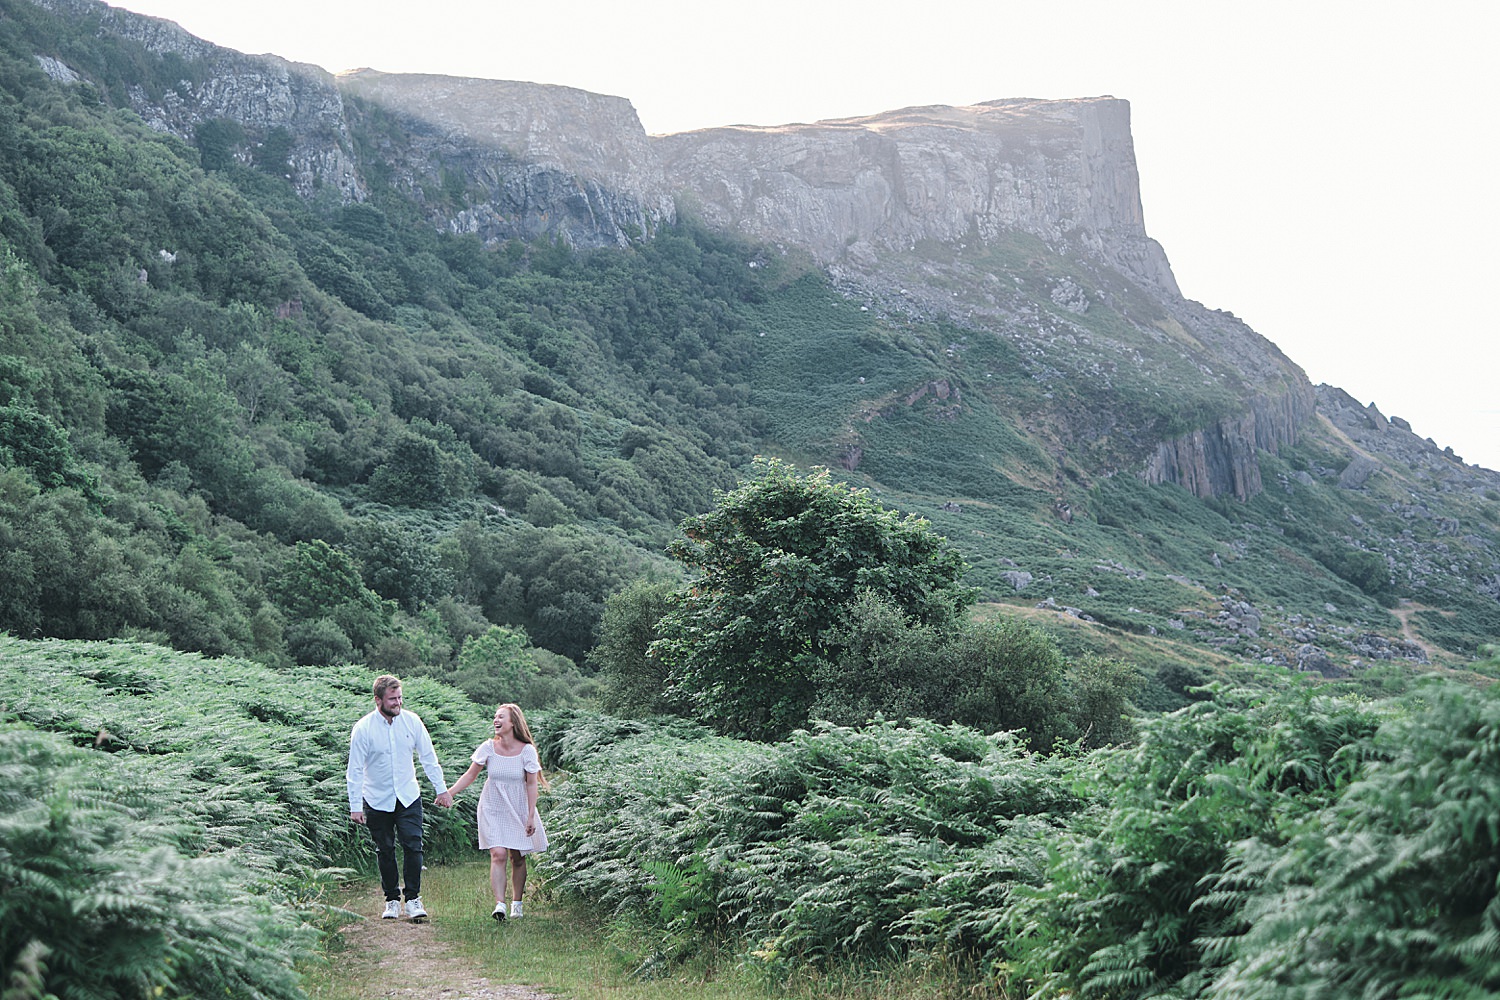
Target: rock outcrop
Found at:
261, 93
530, 160
1222, 459
1055, 169
535, 160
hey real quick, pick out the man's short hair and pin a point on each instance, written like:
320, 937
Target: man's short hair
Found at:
384, 683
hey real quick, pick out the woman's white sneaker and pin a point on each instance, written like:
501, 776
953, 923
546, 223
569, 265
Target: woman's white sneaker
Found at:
499, 913
515, 908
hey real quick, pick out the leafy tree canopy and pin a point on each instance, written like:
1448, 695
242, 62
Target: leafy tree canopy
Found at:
777, 562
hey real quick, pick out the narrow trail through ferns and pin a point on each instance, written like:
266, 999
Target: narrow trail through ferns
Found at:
397, 958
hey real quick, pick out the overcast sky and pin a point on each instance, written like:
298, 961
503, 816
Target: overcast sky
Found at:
1323, 169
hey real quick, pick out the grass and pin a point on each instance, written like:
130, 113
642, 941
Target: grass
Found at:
568, 953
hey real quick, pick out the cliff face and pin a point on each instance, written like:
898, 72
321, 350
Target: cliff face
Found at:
259, 92
907, 209
531, 160
1221, 460
1053, 169
869, 197
536, 160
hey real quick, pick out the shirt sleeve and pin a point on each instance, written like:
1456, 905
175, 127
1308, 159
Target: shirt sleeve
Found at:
428, 757
354, 775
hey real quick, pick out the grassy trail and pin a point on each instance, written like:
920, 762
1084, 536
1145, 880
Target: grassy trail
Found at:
462, 953
552, 953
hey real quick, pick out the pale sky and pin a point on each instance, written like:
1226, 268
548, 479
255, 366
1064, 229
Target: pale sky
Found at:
1323, 169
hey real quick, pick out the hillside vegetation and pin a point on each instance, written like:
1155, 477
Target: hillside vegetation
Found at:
172, 824
240, 422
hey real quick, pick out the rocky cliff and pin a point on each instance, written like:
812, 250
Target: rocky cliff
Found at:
501, 159
534, 160
260, 93
842, 188
906, 206
913, 210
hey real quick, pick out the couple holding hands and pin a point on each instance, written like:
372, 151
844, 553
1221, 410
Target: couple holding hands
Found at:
385, 797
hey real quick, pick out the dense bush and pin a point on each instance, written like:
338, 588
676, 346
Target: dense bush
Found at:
1252, 844
832, 844
774, 566
167, 820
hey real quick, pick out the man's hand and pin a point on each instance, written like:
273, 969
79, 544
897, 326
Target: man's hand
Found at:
445, 800
358, 816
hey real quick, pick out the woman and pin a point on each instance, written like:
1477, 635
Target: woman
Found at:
509, 827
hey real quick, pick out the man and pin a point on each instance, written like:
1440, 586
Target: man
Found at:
384, 794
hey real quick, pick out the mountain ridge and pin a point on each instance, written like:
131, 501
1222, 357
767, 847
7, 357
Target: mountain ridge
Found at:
543, 160
970, 319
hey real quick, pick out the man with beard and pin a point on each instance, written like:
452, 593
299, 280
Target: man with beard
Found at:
384, 794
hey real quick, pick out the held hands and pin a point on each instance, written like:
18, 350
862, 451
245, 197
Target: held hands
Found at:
445, 800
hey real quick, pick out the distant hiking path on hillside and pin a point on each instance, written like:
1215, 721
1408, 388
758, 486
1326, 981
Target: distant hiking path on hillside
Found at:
1403, 612
398, 958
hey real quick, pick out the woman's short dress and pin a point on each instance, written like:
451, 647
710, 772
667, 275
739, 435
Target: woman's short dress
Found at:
502, 801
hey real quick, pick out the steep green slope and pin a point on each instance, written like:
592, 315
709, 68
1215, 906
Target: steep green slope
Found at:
204, 377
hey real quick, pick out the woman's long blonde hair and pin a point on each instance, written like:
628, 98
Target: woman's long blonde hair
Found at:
517, 721
522, 730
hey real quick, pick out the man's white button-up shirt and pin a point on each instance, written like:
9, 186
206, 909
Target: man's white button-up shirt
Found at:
381, 770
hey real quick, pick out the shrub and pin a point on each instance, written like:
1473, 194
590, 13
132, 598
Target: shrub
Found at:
633, 678
778, 562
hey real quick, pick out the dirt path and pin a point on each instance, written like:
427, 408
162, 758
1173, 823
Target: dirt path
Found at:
1403, 612
397, 958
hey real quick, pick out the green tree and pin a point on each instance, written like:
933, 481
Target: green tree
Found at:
30, 440
888, 664
495, 667
633, 677
320, 581
1013, 680
776, 563
217, 140
398, 563
412, 477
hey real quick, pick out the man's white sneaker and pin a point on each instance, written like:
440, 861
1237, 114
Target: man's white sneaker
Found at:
415, 910
515, 908
392, 910
499, 913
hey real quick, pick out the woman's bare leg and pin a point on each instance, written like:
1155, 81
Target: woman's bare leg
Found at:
517, 875
497, 872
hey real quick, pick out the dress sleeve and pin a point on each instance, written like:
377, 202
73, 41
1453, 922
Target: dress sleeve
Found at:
481, 753
529, 759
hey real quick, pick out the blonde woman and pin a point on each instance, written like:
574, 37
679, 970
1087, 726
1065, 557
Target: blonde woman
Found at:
509, 827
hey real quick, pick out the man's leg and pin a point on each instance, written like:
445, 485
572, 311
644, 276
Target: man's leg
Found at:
409, 832
383, 831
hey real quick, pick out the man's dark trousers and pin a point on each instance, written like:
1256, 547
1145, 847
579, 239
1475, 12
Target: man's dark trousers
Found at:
403, 823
